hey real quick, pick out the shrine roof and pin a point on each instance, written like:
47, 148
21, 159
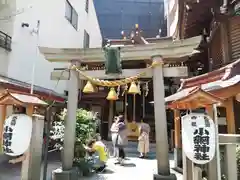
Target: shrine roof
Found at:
223, 73
222, 78
28, 99
13, 84
196, 98
21, 99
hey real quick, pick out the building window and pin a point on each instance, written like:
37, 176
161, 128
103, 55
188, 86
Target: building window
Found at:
86, 5
71, 15
86, 41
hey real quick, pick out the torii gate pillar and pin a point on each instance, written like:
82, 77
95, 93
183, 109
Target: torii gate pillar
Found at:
163, 167
68, 172
70, 122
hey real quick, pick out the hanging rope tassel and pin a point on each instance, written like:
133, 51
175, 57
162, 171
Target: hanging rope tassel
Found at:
114, 83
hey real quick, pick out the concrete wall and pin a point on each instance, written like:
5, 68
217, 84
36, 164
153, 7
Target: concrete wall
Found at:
55, 31
6, 26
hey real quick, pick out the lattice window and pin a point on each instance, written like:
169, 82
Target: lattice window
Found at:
235, 37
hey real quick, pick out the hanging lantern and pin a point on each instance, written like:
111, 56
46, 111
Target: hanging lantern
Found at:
88, 88
112, 95
134, 89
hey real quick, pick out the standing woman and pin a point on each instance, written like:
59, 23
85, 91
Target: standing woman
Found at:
114, 133
122, 139
143, 140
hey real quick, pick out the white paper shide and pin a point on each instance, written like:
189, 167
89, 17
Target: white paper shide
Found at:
198, 137
17, 134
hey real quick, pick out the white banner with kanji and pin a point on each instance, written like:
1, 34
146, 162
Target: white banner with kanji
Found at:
198, 137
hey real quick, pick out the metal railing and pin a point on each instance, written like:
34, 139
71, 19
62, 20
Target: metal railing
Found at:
5, 41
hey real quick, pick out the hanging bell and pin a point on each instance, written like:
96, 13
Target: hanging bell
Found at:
88, 88
112, 95
134, 89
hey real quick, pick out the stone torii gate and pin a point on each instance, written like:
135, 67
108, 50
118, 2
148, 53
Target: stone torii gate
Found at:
164, 52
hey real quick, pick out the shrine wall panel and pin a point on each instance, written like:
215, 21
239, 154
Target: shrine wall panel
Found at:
236, 106
215, 51
235, 37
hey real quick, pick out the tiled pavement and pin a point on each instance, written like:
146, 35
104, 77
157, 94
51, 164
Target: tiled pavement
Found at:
13, 172
140, 169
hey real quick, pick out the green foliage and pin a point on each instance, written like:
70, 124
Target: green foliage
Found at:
85, 129
238, 160
238, 163
85, 126
1, 149
237, 12
83, 165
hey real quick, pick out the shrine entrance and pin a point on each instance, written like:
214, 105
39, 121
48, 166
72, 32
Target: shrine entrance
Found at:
157, 58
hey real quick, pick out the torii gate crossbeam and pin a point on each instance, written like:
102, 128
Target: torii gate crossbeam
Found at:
163, 52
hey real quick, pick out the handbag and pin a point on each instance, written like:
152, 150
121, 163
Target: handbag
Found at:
117, 143
120, 142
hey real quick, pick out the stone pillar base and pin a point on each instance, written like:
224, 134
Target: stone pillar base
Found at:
177, 157
161, 177
72, 174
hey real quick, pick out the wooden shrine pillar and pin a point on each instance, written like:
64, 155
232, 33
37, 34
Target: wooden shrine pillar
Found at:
125, 107
143, 105
177, 138
230, 150
134, 108
3, 113
110, 117
163, 168
187, 167
230, 118
212, 165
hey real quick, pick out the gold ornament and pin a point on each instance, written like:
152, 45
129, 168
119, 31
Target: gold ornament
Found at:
133, 89
112, 95
88, 88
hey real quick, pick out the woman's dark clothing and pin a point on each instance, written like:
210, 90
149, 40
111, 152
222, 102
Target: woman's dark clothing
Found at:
121, 153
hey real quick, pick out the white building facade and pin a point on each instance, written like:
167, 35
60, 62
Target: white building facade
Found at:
172, 13
50, 23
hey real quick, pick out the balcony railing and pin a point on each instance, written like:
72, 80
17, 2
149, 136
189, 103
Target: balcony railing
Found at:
5, 41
